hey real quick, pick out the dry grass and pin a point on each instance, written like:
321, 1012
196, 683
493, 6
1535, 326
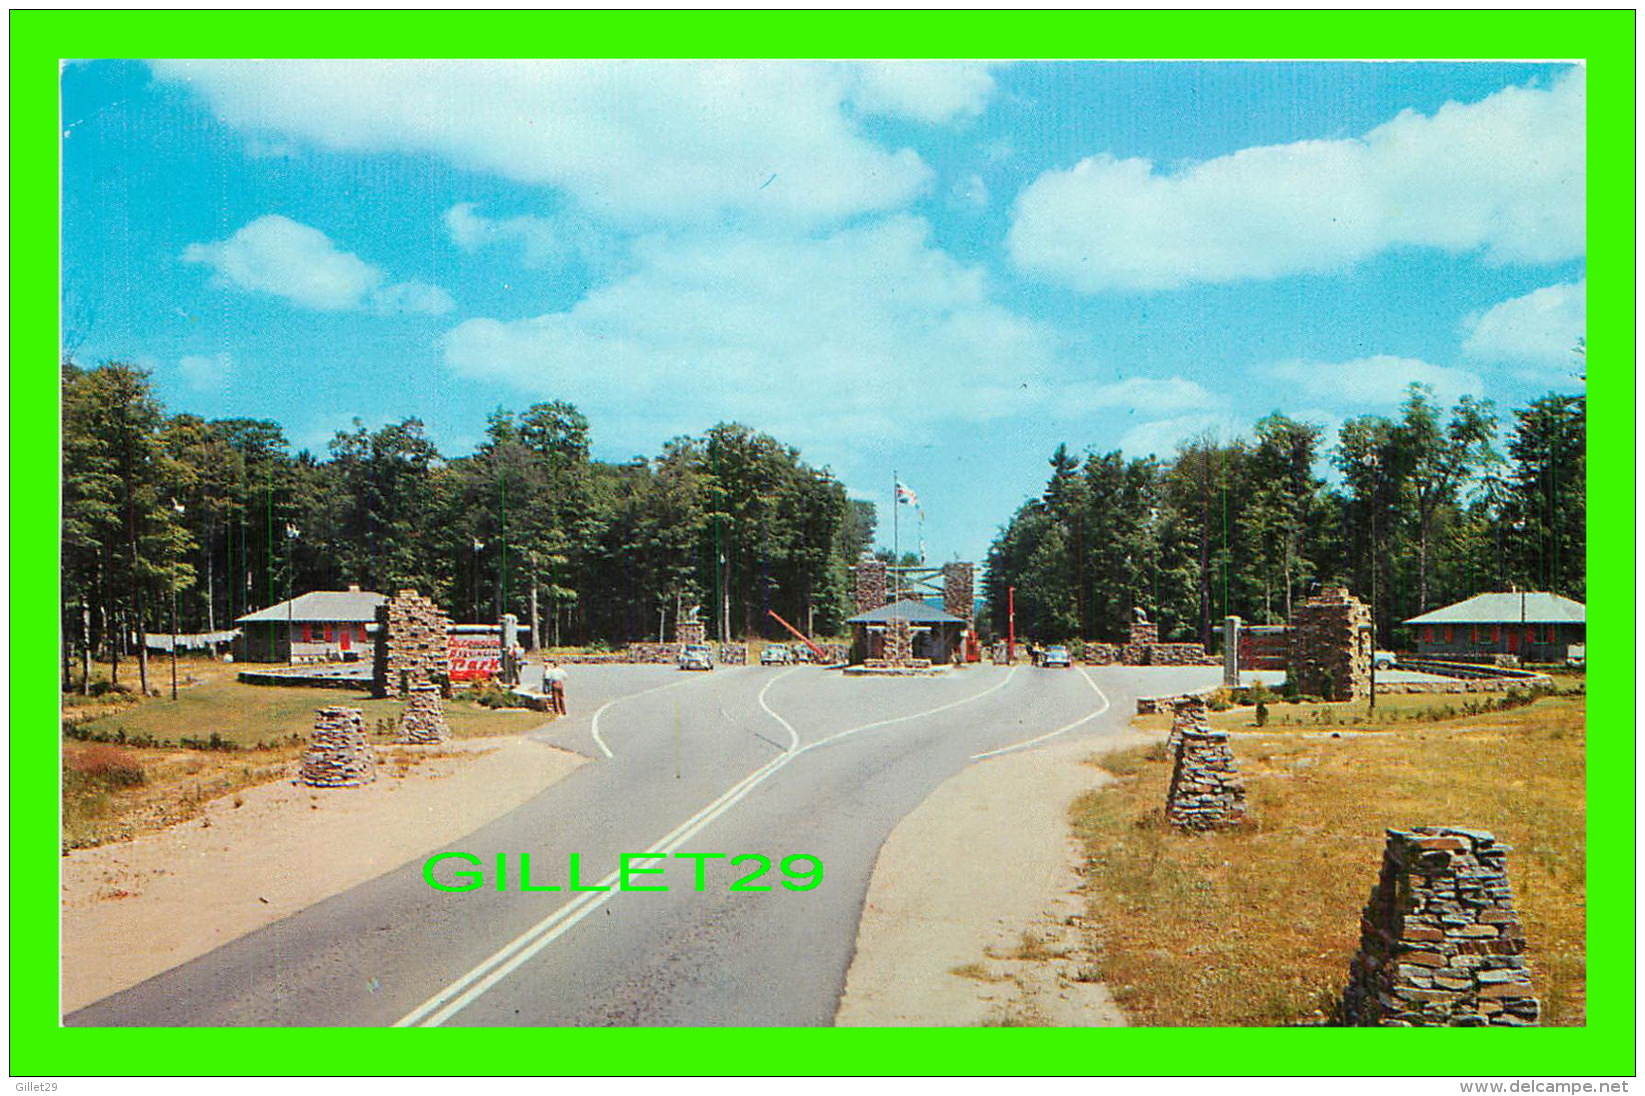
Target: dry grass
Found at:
265, 726
1256, 926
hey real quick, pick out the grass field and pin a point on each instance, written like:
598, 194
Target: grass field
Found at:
112, 791
1256, 926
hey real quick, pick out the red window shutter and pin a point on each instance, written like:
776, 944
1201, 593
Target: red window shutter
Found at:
1449, 632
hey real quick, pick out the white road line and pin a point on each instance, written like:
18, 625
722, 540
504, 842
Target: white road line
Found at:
793, 735
917, 715
471, 986
1059, 730
594, 727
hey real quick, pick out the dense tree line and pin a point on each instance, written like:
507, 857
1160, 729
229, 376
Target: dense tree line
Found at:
1429, 508
221, 518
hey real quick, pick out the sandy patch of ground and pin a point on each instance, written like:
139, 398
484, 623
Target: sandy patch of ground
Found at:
973, 915
136, 908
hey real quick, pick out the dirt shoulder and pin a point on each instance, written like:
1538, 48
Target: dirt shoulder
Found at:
133, 909
973, 915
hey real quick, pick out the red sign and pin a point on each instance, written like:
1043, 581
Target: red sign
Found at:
474, 656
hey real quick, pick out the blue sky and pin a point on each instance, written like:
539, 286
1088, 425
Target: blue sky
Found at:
942, 269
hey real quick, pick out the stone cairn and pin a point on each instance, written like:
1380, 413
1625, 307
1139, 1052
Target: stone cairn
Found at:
1331, 646
1188, 713
1440, 943
1206, 790
689, 632
959, 596
411, 645
423, 723
339, 755
873, 582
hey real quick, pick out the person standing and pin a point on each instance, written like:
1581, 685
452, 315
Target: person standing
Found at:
554, 682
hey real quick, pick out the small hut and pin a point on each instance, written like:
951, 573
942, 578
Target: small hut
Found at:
936, 634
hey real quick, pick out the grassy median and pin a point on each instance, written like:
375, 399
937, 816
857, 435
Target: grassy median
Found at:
1256, 926
132, 765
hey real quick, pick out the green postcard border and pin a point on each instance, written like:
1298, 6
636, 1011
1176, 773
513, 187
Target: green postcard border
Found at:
1604, 39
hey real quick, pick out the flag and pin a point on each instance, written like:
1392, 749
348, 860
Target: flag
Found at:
906, 495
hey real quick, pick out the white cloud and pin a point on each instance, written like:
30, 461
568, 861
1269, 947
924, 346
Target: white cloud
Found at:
285, 258
1540, 328
924, 91
640, 142
1145, 394
206, 373
1505, 176
1162, 437
1376, 382
542, 241
866, 334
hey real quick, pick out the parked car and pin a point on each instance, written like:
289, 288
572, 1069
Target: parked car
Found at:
696, 656
1384, 659
1577, 655
777, 654
1056, 656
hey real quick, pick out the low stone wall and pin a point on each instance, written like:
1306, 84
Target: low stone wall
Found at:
666, 654
1179, 654
1474, 685
1440, 943
339, 755
596, 658
1101, 654
304, 679
1206, 790
423, 723
1153, 705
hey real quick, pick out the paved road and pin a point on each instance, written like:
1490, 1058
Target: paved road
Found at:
742, 760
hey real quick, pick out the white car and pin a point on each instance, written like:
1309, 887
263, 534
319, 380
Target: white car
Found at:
1384, 660
696, 656
776, 654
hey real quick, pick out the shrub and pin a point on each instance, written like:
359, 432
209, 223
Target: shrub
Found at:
104, 767
215, 742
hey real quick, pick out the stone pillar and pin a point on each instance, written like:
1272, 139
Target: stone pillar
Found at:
339, 755
1230, 651
1331, 646
1440, 943
411, 645
872, 582
688, 632
423, 723
1206, 790
1187, 714
508, 636
899, 642
1143, 636
959, 592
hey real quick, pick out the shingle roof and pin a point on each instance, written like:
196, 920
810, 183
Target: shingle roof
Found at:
916, 612
325, 605
1526, 608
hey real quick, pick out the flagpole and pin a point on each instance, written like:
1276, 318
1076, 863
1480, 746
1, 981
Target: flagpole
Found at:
896, 503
